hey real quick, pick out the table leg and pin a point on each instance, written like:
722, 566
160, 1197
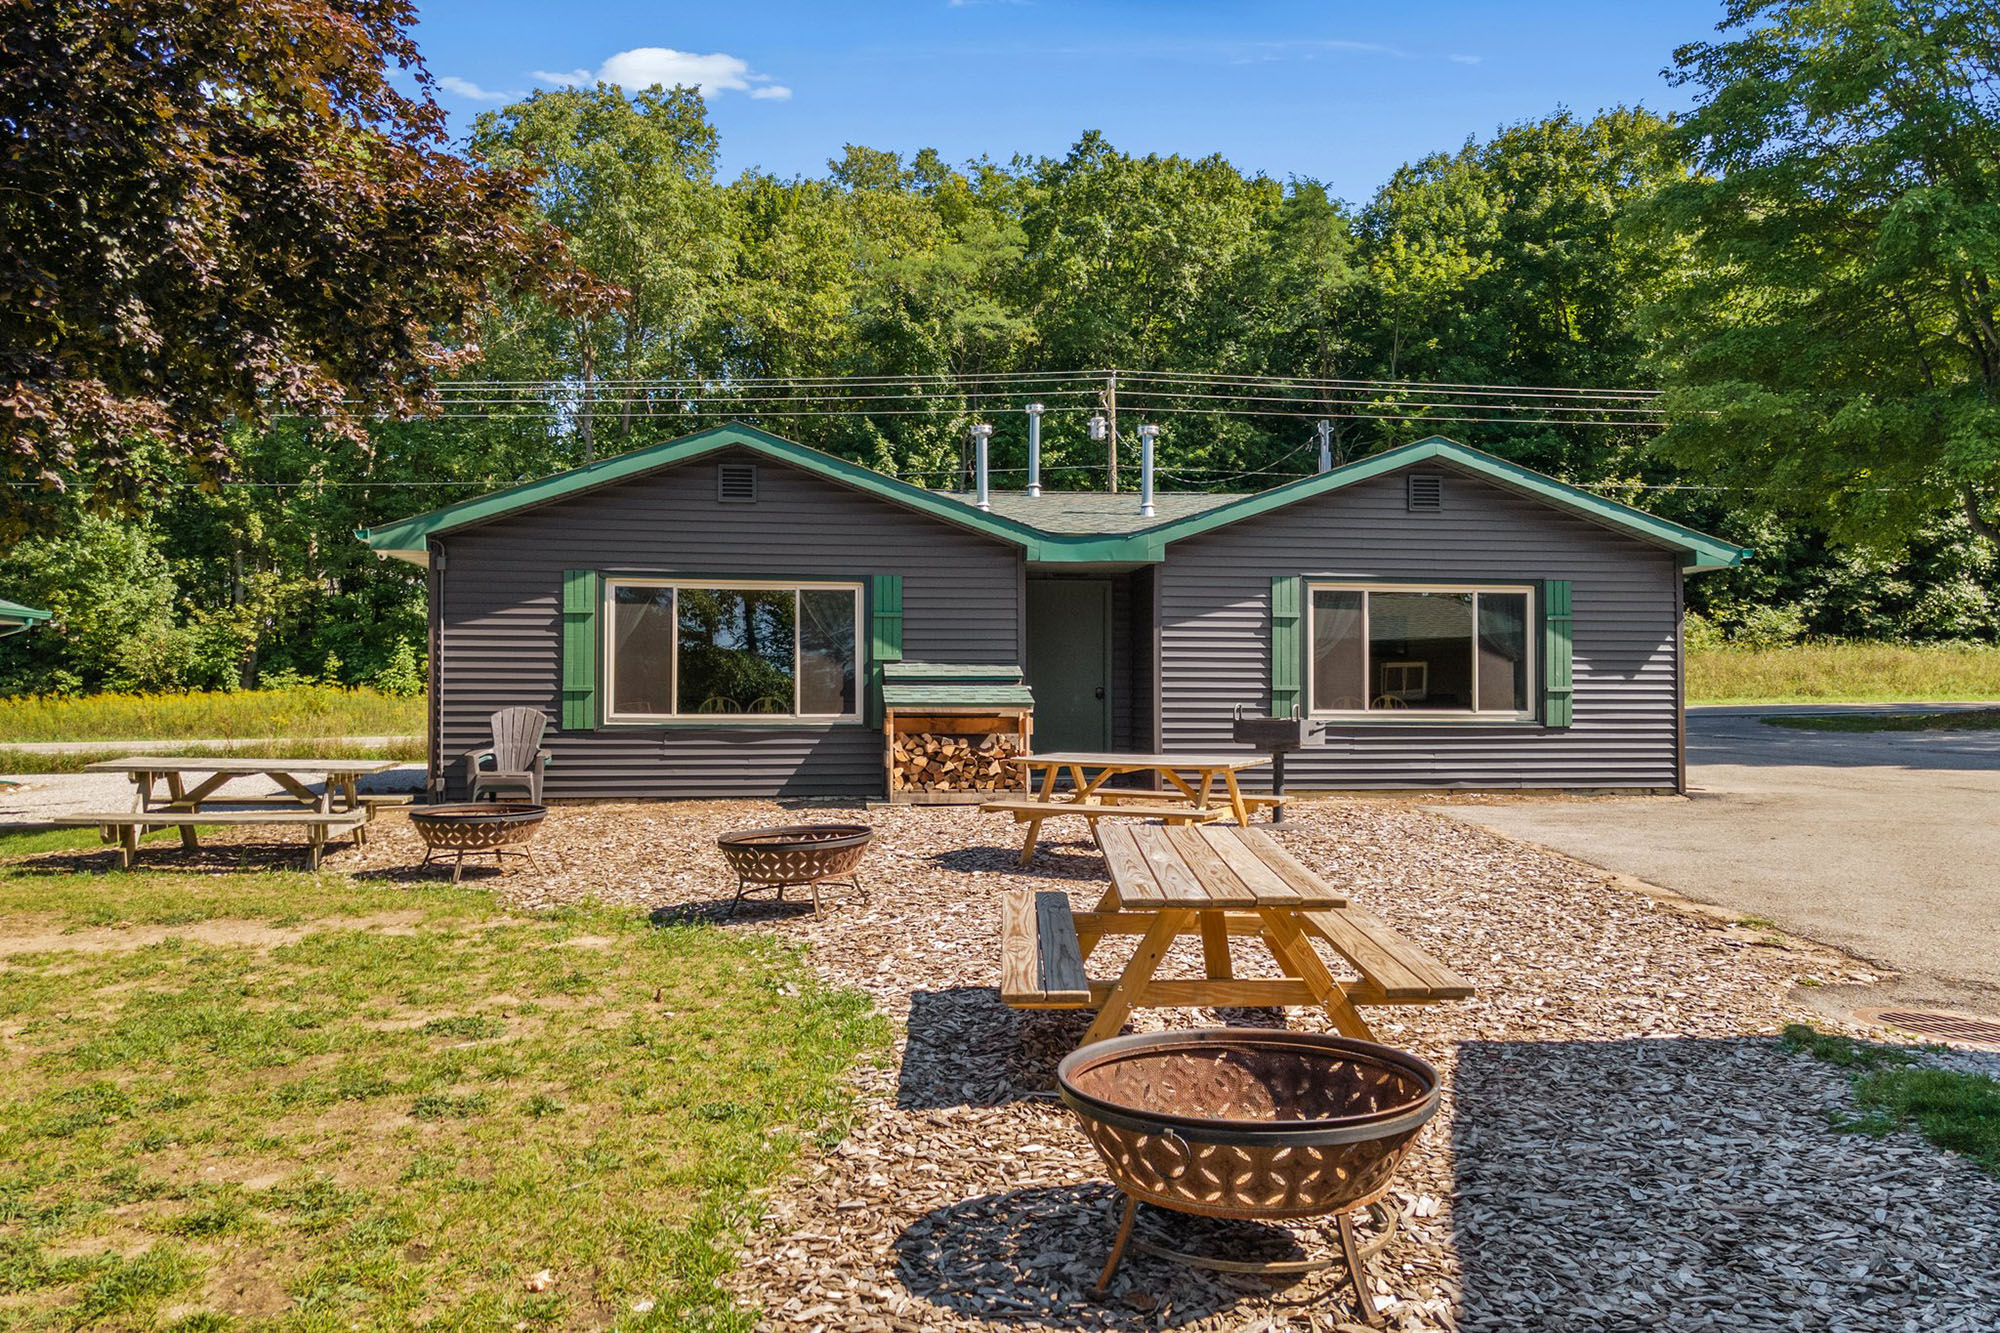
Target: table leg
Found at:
1236, 798
301, 793
177, 795
1294, 951
1087, 937
128, 845
1049, 782
1153, 946
1215, 947
1034, 835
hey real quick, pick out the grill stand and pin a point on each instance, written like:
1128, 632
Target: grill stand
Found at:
1354, 1255
460, 853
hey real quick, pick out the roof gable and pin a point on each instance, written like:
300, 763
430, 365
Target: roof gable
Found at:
1069, 537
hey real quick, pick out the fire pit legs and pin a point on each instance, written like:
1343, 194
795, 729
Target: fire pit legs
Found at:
1354, 1255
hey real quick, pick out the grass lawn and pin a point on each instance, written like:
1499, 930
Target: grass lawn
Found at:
308, 713
1841, 673
409, 750
325, 1105
1962, 719
1953, 1110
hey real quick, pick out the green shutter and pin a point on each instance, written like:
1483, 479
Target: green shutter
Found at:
1286, 652
885, 635
1556, 653
579, 650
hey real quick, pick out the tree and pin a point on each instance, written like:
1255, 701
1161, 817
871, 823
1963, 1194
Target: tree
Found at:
223, 213
629, 178
1835, 343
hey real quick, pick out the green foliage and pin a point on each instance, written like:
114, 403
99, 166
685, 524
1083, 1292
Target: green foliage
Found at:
1955, 1110
1841, 673
301, 713
1961, 719
404, 676
1834, 337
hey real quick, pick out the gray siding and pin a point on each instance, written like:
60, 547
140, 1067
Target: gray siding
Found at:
498, 621
1215, 636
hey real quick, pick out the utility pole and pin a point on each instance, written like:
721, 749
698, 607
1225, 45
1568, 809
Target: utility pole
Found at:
589, 431
1111, 423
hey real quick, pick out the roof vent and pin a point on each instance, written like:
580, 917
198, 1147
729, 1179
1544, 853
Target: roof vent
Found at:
736, 483
1426, 493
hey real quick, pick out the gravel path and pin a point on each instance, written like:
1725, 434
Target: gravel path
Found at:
1622, 1145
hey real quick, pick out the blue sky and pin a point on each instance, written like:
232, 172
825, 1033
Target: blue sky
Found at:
1340, 92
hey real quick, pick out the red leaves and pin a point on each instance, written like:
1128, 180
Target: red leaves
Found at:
222, 212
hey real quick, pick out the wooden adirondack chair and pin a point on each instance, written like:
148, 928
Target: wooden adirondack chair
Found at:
516, 755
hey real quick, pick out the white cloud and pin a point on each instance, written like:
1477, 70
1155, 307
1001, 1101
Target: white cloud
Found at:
644, 66
1457, 59
472, 92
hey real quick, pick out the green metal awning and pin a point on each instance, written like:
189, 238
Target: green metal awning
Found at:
14, 617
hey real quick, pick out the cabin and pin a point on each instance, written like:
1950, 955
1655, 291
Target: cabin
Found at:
735, 615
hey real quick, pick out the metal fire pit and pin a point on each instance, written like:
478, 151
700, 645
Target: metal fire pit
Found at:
1280, 736
499, 827
1250, 1124
801, 854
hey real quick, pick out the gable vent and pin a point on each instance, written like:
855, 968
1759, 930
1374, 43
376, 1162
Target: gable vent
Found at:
1426, 494
736, 483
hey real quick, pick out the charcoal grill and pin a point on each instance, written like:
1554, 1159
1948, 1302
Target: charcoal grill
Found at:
1279, 735
503, 828
807, 855
1251, 1124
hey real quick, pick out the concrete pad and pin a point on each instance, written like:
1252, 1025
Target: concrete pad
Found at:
1883, 844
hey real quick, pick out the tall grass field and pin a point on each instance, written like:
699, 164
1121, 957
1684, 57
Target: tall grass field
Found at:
1841, 673
308, 712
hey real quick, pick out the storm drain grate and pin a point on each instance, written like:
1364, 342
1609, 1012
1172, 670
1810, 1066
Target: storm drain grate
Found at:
1944, 1027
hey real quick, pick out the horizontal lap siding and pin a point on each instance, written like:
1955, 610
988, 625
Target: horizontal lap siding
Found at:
1215, 636
500, 627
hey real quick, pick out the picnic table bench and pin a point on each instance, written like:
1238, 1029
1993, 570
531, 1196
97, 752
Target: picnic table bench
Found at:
1183, 802
1218, 883
123, 826
191, 799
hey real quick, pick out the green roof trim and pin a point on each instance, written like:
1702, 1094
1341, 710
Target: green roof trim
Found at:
409, 538
13, 613
1702, 550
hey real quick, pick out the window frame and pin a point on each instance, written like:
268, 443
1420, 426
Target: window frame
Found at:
1420, 716
607, 604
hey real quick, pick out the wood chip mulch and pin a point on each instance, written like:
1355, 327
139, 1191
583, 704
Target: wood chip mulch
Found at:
1623, 1145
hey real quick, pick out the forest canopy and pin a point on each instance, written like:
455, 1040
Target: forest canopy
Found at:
1800, 268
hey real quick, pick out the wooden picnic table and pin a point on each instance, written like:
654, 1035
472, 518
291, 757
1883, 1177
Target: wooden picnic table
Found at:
1190, 779
1218, 883
192, 784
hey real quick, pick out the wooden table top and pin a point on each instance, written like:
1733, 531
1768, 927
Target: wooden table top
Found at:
167, 763
1112, 759
1207, 868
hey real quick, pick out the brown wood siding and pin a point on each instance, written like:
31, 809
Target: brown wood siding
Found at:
499, 625
1215, 636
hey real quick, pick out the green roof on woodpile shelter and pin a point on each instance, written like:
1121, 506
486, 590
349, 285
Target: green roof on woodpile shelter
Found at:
1057, 527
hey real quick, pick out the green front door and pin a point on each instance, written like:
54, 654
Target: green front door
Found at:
1069, 662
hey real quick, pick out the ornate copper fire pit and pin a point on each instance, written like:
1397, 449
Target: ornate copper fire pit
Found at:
499, 827
1252, 1124
800, 854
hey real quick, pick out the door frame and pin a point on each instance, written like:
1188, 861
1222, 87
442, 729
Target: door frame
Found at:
1103, 584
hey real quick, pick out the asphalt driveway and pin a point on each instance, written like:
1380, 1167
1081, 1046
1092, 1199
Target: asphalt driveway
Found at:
1883, 844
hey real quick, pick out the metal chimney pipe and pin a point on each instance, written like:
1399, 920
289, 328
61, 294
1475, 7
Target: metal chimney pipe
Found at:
981, 433
1147, 434
1034, 411
1325, 445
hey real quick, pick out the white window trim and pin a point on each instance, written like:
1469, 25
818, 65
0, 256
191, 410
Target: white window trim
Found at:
1417, 716
607, 615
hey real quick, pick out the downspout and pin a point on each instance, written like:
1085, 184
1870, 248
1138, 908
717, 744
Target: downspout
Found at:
434, 679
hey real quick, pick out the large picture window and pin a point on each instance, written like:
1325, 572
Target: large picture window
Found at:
1421, 649
686, 649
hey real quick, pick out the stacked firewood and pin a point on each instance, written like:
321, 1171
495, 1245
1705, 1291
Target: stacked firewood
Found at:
933, 761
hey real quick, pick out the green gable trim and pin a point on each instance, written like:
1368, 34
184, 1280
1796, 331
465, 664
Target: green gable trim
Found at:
13, 613
409, 538
1702, 550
